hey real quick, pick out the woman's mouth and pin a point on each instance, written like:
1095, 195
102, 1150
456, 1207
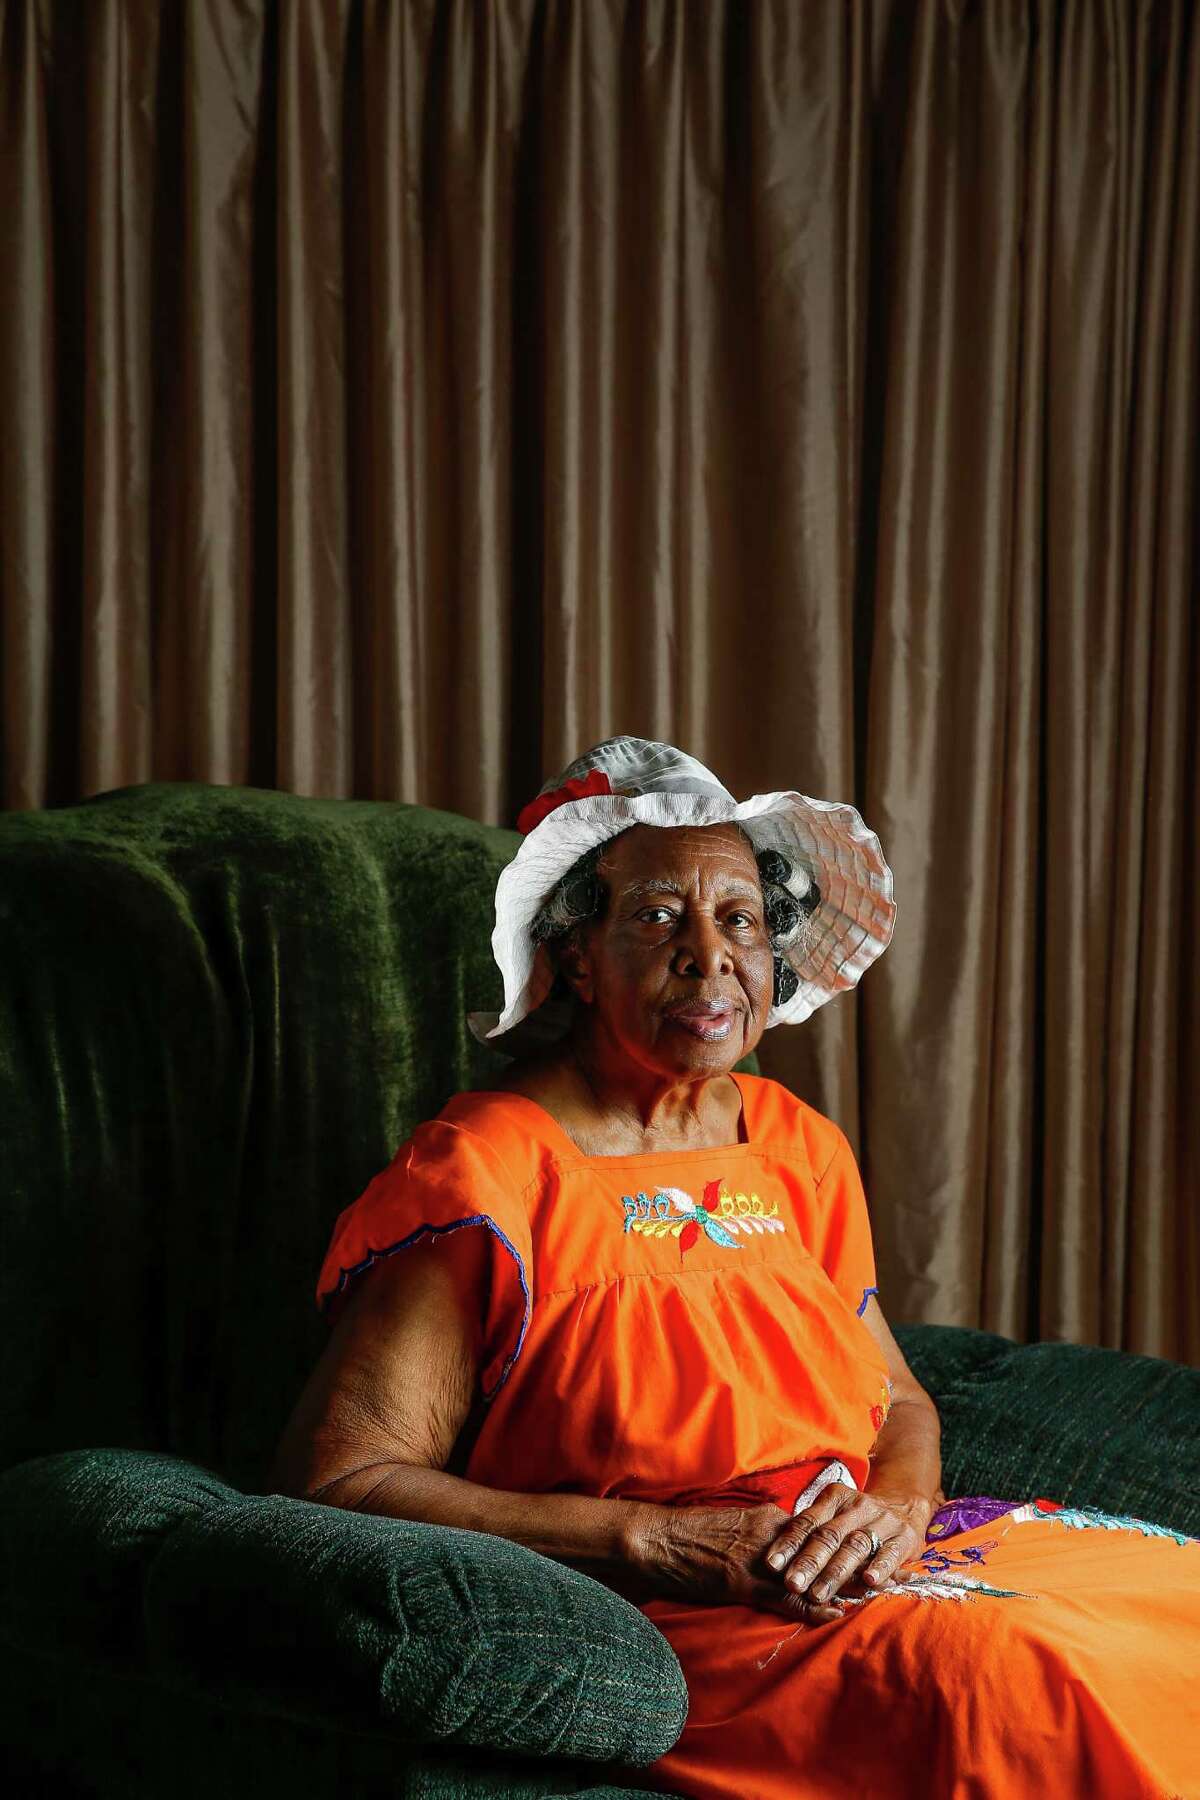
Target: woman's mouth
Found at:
705, 1019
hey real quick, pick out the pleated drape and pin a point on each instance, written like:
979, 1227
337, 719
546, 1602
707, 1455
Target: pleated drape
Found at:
397, 398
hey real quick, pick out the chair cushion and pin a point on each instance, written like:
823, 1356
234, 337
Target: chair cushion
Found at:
292, 1609
1086, 1426
77, 1532
442, 1636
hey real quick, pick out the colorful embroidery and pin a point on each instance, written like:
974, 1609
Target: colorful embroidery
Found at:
940, 1562
937, 1587
720, 1216
919, 1587
880, 1411
1083, 1518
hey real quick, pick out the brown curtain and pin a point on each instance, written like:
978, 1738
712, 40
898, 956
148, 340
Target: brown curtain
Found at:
397, 398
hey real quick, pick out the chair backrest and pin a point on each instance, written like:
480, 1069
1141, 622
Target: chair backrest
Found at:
221, 1011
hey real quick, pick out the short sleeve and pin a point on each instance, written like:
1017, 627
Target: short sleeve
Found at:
443, 1179
845, 1250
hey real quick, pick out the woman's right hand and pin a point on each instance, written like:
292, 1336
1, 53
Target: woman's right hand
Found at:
717, 1555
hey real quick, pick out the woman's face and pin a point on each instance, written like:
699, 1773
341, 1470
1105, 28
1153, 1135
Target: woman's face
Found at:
679, 969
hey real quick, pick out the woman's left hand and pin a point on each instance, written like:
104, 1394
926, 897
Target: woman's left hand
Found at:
829, 1544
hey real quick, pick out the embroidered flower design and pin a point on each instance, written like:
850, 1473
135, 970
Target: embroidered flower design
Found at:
719, 1216
946, 1575
941, 1562
880, 1410
920, 1586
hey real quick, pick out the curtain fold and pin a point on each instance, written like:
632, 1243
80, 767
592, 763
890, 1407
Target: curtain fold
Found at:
399, 397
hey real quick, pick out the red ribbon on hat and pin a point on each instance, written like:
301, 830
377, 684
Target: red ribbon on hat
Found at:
579, 788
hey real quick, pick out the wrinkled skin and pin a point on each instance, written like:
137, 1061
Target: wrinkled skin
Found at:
683, 921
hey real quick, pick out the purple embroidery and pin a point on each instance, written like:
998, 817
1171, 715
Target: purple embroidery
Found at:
939, 1561
861, 1308
965, 1515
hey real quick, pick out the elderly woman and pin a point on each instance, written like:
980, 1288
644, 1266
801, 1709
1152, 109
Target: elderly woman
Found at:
638, 1329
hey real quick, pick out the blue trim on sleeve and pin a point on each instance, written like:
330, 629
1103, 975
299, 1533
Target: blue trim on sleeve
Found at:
374, 1256
861, 1308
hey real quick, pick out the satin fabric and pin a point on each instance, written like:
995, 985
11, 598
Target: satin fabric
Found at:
398, 398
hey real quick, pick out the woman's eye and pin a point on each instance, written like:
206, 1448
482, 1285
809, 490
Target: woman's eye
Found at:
662, 915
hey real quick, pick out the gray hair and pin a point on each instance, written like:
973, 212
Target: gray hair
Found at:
580, 896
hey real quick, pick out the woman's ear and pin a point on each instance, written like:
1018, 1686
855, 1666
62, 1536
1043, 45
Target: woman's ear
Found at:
575, 970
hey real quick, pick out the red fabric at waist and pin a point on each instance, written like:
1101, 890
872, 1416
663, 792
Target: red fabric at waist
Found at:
780, 1487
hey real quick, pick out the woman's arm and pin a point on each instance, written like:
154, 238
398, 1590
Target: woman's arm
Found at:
380, 1415
907, 1462
379, 1418
829, 1544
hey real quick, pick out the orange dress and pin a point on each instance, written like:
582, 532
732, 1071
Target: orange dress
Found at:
686, 1328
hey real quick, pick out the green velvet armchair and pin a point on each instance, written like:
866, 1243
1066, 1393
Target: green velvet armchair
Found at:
221, 1010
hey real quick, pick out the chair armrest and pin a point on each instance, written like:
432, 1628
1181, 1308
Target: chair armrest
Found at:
300, 1610
1072, 1422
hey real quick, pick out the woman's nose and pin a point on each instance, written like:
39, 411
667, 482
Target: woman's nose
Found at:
702, 946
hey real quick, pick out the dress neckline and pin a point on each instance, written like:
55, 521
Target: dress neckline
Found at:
552, 1128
